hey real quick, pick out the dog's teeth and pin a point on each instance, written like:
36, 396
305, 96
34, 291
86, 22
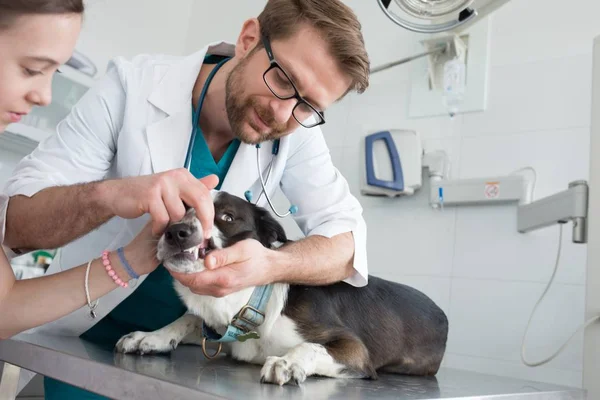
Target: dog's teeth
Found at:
193, 251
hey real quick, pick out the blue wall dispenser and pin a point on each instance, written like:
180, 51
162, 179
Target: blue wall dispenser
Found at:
393, 163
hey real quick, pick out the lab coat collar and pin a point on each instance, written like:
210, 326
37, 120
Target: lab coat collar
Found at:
168, 137
174, 92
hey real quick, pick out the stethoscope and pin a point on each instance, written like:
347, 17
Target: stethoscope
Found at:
275, 150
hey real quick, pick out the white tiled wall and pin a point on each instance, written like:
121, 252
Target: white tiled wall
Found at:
472, 261
127, 28
535, 30
536, 96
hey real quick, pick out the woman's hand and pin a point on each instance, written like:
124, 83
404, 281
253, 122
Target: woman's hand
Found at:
140, 253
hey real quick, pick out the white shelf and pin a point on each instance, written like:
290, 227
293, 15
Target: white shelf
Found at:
76, 76
17, 143
30, 132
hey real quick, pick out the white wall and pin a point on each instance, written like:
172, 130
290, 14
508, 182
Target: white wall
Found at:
472, 261
130, 27
206, 27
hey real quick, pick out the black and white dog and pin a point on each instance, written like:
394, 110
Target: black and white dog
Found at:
337, 330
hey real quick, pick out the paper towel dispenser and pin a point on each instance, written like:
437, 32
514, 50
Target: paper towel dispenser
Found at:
393, 163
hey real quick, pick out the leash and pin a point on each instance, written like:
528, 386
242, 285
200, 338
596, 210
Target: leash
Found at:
243, 325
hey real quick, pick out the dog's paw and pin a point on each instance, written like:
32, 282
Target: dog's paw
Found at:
145, 343
281, 371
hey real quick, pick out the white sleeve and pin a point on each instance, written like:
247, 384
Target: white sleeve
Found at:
325, 205
3, 207
83, 147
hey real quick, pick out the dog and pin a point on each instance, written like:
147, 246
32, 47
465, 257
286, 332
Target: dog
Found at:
337, 330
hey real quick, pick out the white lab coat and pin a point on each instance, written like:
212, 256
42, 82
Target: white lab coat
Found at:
137, 120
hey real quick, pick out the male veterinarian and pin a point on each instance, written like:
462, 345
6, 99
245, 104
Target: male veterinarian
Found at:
119, 156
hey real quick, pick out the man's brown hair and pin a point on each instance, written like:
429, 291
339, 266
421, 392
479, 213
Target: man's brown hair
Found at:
334, 20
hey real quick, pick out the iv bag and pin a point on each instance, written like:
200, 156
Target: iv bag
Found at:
454, 85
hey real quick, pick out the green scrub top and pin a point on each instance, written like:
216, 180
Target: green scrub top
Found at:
155, 303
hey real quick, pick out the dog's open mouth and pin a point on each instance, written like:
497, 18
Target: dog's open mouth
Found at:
197, 252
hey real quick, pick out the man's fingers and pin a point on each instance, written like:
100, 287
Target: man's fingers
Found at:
210, 181
160, 216
173, 204
201, 201
229, 255
207, 216
148, 230
197, 195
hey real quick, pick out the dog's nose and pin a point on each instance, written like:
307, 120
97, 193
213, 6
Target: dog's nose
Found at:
178, 233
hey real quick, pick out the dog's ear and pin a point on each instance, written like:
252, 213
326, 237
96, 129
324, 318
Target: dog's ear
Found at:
269, 230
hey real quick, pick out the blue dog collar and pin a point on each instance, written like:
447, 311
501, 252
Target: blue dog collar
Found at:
243, 325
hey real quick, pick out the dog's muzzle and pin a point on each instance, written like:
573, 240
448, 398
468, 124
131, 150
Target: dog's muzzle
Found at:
183, 246
180, 236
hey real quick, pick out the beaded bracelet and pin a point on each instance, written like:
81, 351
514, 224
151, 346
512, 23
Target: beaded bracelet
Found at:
111, 272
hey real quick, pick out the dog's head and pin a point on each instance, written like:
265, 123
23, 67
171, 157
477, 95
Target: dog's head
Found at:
182, 248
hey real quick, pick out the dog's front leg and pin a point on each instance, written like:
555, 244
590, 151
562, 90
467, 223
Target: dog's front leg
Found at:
300, 362
161, 341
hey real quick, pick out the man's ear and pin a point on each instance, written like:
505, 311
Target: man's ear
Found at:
248, 39
269, 230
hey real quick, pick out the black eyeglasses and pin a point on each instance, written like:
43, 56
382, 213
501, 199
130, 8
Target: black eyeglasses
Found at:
281, 85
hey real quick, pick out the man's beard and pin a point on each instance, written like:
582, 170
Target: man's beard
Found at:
239, 109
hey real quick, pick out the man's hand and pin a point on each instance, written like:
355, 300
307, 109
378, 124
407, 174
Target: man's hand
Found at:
163, 196
246, 263
314, 260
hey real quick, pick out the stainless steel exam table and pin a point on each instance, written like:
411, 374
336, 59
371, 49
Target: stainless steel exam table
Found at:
186, 374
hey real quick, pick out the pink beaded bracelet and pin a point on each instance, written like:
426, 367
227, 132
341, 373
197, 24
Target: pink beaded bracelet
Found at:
111, 272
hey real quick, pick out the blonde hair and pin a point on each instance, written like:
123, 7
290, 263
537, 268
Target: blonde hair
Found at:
335, 21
